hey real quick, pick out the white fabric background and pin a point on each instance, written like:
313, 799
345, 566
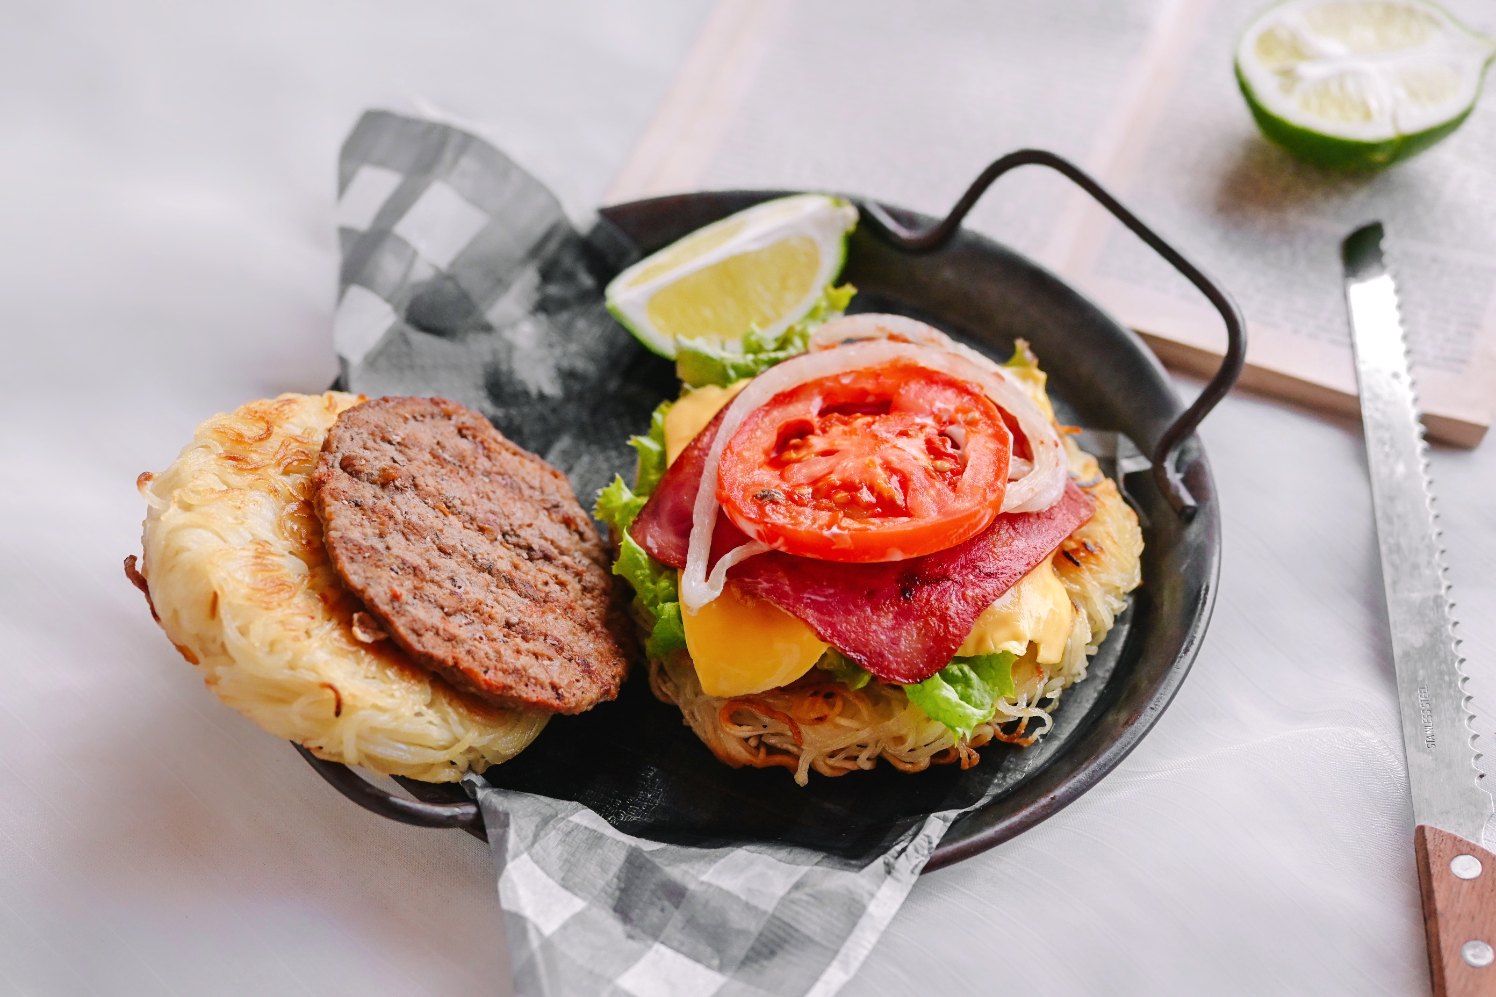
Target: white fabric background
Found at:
167, 178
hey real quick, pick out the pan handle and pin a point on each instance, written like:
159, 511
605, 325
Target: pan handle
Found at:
464, 814
1166, 451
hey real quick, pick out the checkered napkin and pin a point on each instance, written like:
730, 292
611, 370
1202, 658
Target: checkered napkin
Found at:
589, 909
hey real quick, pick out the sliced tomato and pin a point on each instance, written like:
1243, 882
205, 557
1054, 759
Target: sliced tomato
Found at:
881, 464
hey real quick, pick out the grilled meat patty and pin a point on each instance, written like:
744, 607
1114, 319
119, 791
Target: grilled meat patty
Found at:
472, 553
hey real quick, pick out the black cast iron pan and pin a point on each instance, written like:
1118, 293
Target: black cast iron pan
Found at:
638, 766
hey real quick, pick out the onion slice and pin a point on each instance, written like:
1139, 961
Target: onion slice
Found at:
717, 580
1039, 489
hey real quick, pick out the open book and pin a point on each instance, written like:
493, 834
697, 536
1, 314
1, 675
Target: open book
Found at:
907, 102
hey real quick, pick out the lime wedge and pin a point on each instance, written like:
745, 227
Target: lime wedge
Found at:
1359, 84
764, 267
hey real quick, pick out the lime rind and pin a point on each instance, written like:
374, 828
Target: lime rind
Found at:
1334, 152
1366, 145
826, 220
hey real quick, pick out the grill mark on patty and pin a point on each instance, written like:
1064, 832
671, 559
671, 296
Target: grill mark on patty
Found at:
472, 553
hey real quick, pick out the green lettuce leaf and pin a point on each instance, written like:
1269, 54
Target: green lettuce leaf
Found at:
618, 505
961, 695
843, 669
965, 692
669, 633
651, 450
654, 584
699, 362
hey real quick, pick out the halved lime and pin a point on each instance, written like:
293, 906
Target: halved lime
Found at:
1359, 84
764, 267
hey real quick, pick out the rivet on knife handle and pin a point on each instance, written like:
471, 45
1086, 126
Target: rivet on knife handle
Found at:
1458, 881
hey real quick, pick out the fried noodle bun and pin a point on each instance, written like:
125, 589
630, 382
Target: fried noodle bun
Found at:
817, 723
239, 580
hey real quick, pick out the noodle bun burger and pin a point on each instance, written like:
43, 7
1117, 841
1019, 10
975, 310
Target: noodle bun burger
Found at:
882, 547
389, 583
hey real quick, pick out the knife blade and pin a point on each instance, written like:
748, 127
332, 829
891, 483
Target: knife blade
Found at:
1457, 875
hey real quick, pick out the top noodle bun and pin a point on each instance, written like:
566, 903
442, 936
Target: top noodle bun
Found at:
241, 584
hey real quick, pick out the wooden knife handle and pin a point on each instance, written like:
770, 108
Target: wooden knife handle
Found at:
1458, 881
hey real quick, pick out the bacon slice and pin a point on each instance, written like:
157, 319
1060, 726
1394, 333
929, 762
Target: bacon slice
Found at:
901, 620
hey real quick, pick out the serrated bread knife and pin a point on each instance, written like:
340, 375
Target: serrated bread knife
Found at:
1456, 874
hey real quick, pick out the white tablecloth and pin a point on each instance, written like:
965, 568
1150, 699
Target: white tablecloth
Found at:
170, 252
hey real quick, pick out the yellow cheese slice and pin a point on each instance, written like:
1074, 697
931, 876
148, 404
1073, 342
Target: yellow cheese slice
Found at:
741, 645
1037, 610
692, 412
